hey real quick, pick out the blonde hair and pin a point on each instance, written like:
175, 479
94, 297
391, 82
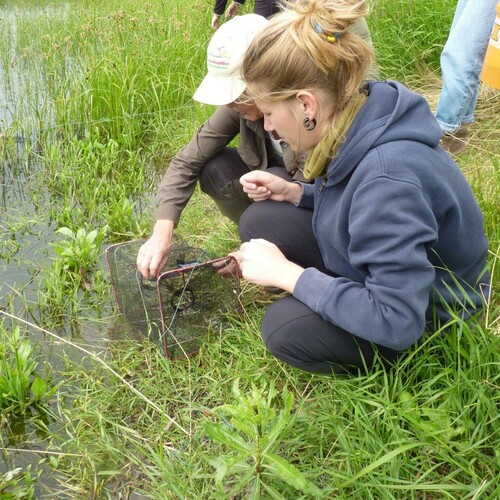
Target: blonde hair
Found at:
309, 45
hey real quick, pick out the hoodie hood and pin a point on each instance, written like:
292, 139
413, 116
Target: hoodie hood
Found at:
391, 113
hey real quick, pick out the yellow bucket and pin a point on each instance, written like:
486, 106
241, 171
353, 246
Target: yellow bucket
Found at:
490, 74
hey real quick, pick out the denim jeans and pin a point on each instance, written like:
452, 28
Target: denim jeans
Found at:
462, 60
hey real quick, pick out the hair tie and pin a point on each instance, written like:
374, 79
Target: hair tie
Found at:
329, 37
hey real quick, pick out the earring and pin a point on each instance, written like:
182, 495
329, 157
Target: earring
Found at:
309, 124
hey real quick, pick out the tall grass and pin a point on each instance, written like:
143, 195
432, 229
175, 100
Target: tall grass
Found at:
109, 87
408, 35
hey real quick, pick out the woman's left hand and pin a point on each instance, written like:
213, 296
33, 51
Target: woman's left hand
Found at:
263, 263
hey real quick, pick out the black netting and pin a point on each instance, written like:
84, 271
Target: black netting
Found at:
178, 308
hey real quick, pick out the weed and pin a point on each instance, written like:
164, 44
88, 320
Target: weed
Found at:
17, 483
20, 386
80, 252
253, 435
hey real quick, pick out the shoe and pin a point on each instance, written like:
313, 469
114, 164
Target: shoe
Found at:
455, 143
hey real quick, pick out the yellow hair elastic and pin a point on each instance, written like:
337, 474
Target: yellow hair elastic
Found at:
332, 38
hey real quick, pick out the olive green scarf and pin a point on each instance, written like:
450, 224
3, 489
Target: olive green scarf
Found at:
319, 158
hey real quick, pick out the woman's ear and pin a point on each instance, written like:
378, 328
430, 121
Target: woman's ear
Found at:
308, 104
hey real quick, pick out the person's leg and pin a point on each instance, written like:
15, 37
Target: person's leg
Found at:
295, 334
285, 225
461, 62
219, 178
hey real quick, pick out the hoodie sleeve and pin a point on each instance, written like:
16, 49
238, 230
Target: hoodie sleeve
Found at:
307, 198
391, 229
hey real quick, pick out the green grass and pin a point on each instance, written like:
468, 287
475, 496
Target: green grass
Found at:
109, 87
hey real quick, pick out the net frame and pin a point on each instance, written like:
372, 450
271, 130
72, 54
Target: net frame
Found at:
144, 302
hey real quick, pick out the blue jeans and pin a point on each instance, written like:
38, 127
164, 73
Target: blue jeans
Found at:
462, 60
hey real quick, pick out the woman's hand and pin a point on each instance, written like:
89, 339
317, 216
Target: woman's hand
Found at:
263, 263
153, 254
262, 186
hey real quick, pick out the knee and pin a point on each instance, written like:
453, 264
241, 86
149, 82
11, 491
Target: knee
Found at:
210, 178
275, 330
253, 221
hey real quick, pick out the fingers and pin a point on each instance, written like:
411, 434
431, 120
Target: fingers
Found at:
215, 22
228, 267
150, 262
254, 186
252, 244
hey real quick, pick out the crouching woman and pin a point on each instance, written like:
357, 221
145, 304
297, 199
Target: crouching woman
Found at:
389, 237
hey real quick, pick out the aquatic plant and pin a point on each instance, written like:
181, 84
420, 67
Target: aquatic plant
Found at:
80, 251
18, 483
75, 280
20, 386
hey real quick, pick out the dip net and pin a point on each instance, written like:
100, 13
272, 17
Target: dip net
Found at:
177, 309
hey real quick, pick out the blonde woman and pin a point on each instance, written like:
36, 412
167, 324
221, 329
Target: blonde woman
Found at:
398, 240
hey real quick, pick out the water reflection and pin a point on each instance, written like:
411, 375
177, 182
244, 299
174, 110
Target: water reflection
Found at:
26, 234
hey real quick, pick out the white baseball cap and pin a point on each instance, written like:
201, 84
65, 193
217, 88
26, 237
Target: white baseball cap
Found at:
223, 83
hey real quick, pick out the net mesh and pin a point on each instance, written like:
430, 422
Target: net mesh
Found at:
187, 300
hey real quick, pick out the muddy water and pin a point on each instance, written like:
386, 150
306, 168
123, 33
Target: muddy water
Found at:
25, 250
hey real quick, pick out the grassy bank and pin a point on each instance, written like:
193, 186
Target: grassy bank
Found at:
108, 88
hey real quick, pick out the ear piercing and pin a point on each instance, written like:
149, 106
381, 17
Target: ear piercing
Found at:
309, 123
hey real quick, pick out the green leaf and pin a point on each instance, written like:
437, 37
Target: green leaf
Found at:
281, 468
38, 388
228, 465
222, 434
245, 425
66, 231
91, 236
272, 493
385, 458
24, 351
255, 492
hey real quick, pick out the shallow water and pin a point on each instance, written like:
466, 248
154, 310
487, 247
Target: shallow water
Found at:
26, 235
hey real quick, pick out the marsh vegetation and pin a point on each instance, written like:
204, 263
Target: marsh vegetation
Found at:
95, 98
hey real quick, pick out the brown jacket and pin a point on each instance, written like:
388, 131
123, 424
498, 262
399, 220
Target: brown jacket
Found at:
216, 133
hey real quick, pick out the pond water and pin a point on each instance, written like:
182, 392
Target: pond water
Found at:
26, 236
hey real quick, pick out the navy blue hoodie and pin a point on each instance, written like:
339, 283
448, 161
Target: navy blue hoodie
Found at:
397, 221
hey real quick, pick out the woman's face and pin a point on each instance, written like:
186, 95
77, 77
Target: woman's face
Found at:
247, 110
284, 118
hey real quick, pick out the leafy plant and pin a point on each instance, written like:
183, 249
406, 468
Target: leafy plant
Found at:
74, 277
17, 483
81, 251
253, 436
20, 386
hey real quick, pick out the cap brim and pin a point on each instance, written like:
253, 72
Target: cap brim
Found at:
219, 90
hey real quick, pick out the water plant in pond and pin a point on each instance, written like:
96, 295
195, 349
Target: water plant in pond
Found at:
80, 251
16, 483
20, 385
75, 281
92, 183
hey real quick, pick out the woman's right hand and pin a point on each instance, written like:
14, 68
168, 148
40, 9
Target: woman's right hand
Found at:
262, 186
153, 254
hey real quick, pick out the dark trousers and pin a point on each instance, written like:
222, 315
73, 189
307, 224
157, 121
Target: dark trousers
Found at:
265, 8
292, 331
220, 179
